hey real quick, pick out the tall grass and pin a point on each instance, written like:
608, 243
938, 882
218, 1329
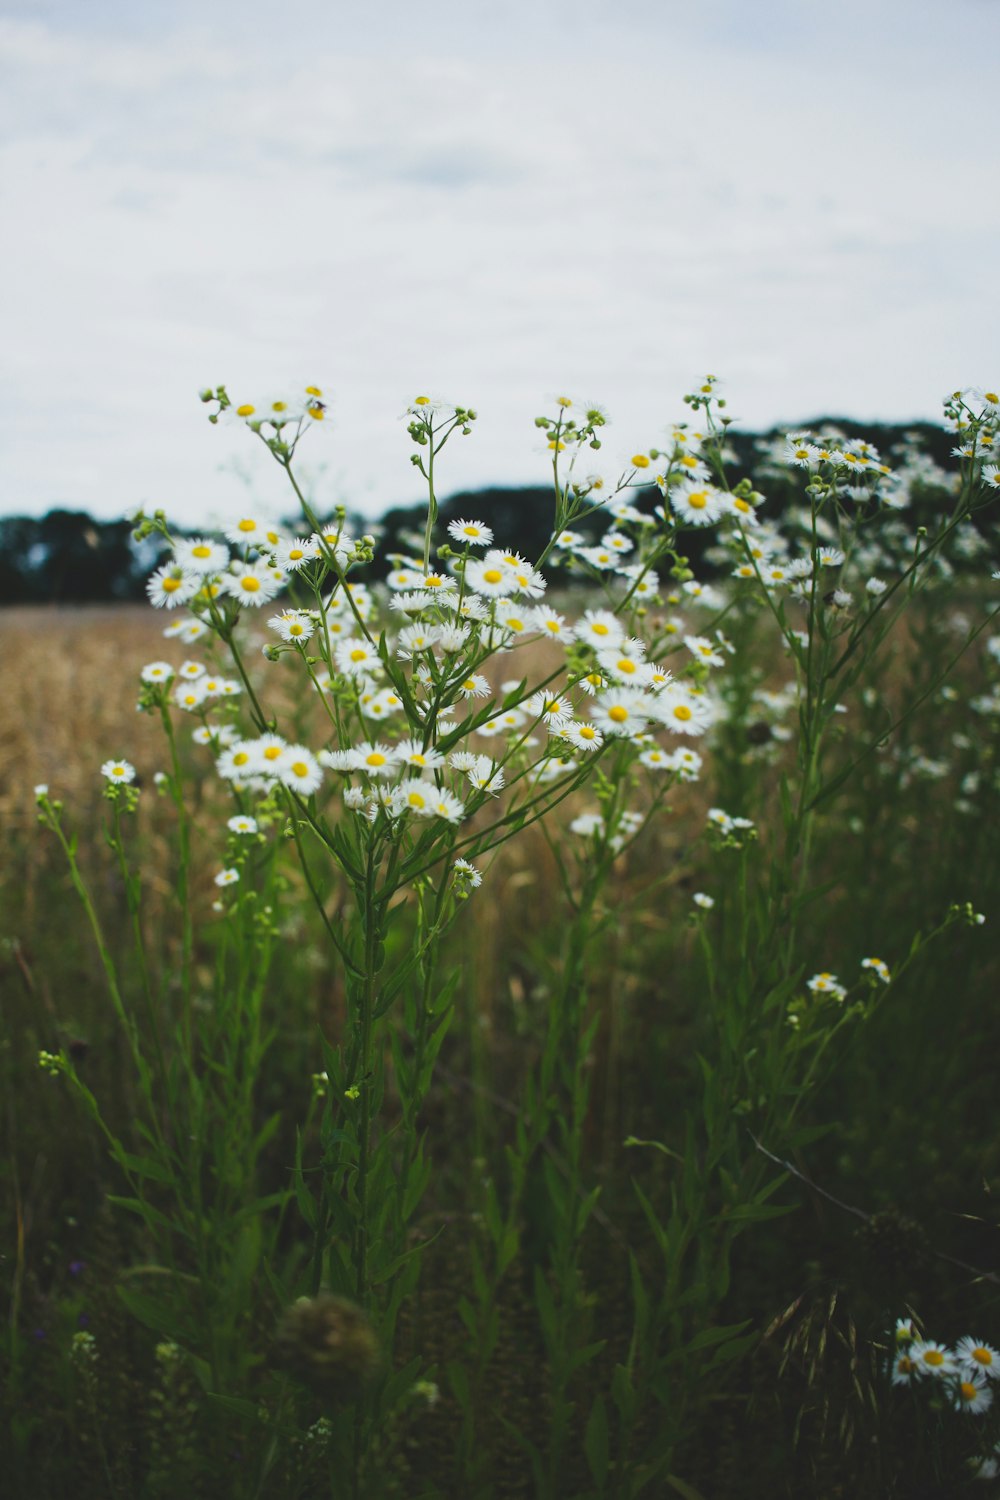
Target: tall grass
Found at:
434, 1120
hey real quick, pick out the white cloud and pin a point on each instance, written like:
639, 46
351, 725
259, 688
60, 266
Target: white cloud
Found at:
494, 209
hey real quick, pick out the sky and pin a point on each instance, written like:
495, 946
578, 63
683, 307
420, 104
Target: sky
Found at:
489, 204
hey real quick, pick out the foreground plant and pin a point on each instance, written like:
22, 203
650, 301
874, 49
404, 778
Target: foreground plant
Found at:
395, 740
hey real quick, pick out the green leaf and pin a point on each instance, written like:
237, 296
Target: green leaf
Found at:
710, 1336
146, 1167
237, 1405
682, 1488
595, 1442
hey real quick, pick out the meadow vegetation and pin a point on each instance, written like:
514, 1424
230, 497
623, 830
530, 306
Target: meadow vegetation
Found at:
525, 1027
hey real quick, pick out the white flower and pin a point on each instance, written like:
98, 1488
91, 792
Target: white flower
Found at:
470, 533
413, 753
978, 1358
242, 824
704, 649
599, 628
622, 711
551, 708
582, 736
826, 984
300, 771
190, 696
293, 555
374, 759
188, 631
587, 824
201, 556
227, 877
875, 587
251, 531
251, 584
700, 899
485, 776
172, 585
681, 711
157, 671
697, 504
355, 658
467, 874
490, 577
294, 625
972, 1396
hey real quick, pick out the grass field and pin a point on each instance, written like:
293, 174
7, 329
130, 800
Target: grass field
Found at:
610, 1177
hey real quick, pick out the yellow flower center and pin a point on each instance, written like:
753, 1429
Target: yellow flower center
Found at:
992, 398
422, 401
698, 500
598, 629
982, 1356
316, 412
272, 752
245, 411
682, 712
969, 1390
170, 585
470, 531
279, 405
313, 390
240, 758
557, 447
359, 653
118, 770
586, 733
295, 629
513, 624
563, 401
469, 685
640, 461
416, 800
299, 768
594, 678
247, 526
250, 585
375, 759
933, 1357
552, 625
492, 575
201, 552
418, 760
626, 666
618, 714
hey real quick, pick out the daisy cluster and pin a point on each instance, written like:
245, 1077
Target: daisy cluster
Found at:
405, 673
416, 727
850, 484
964, 1374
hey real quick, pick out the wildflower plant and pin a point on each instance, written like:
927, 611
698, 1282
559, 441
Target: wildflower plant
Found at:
393, 738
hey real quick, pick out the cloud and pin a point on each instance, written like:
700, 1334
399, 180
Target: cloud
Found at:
496, 209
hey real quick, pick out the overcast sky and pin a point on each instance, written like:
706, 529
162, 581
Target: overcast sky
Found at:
495, 204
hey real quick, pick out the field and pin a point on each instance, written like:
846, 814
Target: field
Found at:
335, 1171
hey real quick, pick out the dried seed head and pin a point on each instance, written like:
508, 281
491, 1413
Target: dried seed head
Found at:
328, 1343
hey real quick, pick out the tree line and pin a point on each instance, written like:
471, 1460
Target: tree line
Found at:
67, 557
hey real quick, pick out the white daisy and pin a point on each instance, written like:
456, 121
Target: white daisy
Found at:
118, 772
470, 533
